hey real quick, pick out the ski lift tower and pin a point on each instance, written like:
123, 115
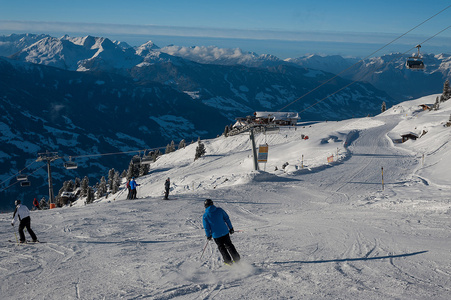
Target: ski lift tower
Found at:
49, 157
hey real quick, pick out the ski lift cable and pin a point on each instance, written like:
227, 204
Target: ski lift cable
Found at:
117, 153
361, 78
337, 75
19, 181
17, 173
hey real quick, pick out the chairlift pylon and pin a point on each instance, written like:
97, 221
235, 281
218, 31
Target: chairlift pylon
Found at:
415, 62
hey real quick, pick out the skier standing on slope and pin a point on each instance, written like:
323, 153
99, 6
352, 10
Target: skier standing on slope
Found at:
167, 185
129, 195
36, 204
23, 214
133, 186
217, 225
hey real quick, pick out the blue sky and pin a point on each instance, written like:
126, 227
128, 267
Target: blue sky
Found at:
285, 28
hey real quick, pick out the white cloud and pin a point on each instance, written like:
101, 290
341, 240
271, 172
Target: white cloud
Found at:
118, 29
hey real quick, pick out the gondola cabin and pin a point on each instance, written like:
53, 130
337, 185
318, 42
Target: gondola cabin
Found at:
415, 62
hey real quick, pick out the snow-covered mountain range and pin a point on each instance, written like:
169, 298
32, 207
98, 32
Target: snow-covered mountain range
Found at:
387, 73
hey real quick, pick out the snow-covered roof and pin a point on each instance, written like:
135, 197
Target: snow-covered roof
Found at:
409, 133
277, 115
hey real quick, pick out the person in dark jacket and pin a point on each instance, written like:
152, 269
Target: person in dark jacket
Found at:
129, 195
217, 225
167, 185
36, 204
23, 214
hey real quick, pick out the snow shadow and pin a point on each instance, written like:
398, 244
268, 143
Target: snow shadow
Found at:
351, 259
351, 137
127, 242
382, 155
262, 176
159, 170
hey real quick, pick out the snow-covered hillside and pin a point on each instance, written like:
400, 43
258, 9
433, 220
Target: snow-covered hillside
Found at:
313, 230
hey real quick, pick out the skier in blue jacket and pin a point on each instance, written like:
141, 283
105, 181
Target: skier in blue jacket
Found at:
133, 186
217, 225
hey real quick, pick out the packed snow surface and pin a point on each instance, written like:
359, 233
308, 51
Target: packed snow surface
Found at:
374, 223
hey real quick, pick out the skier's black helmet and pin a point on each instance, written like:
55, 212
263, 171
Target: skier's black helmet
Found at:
208, 203
17, 202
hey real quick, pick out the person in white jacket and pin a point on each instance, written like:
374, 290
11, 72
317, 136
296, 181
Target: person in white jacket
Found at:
23, 214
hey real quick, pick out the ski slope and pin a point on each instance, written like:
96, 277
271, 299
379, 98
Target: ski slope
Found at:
314, 230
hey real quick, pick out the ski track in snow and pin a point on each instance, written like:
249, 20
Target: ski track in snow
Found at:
323, 232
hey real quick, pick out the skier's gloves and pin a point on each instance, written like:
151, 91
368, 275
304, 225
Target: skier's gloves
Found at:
12, 224
231, 231
209, 238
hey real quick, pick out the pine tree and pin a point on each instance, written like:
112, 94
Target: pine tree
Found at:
101, 187
77, 182
131, 171
84, 186
172, 146
61, 191
200, 150
226, 131
436, 105
144, 169
70, 186
111, 174
446, 90
90, 196
155, 155
384, 106
116, 183
182, 144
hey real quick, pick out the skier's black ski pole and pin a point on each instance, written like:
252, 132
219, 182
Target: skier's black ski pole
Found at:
204, 249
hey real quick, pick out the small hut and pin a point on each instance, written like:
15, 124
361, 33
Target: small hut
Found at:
409, 136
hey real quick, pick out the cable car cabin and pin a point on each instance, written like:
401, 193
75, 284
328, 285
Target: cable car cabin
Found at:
415, 63
25, 183
69, 165
21, 177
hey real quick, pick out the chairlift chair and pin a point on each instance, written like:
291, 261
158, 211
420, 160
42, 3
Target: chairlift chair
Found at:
21, 177
415, 62
146, 160
70, 165
25, 183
